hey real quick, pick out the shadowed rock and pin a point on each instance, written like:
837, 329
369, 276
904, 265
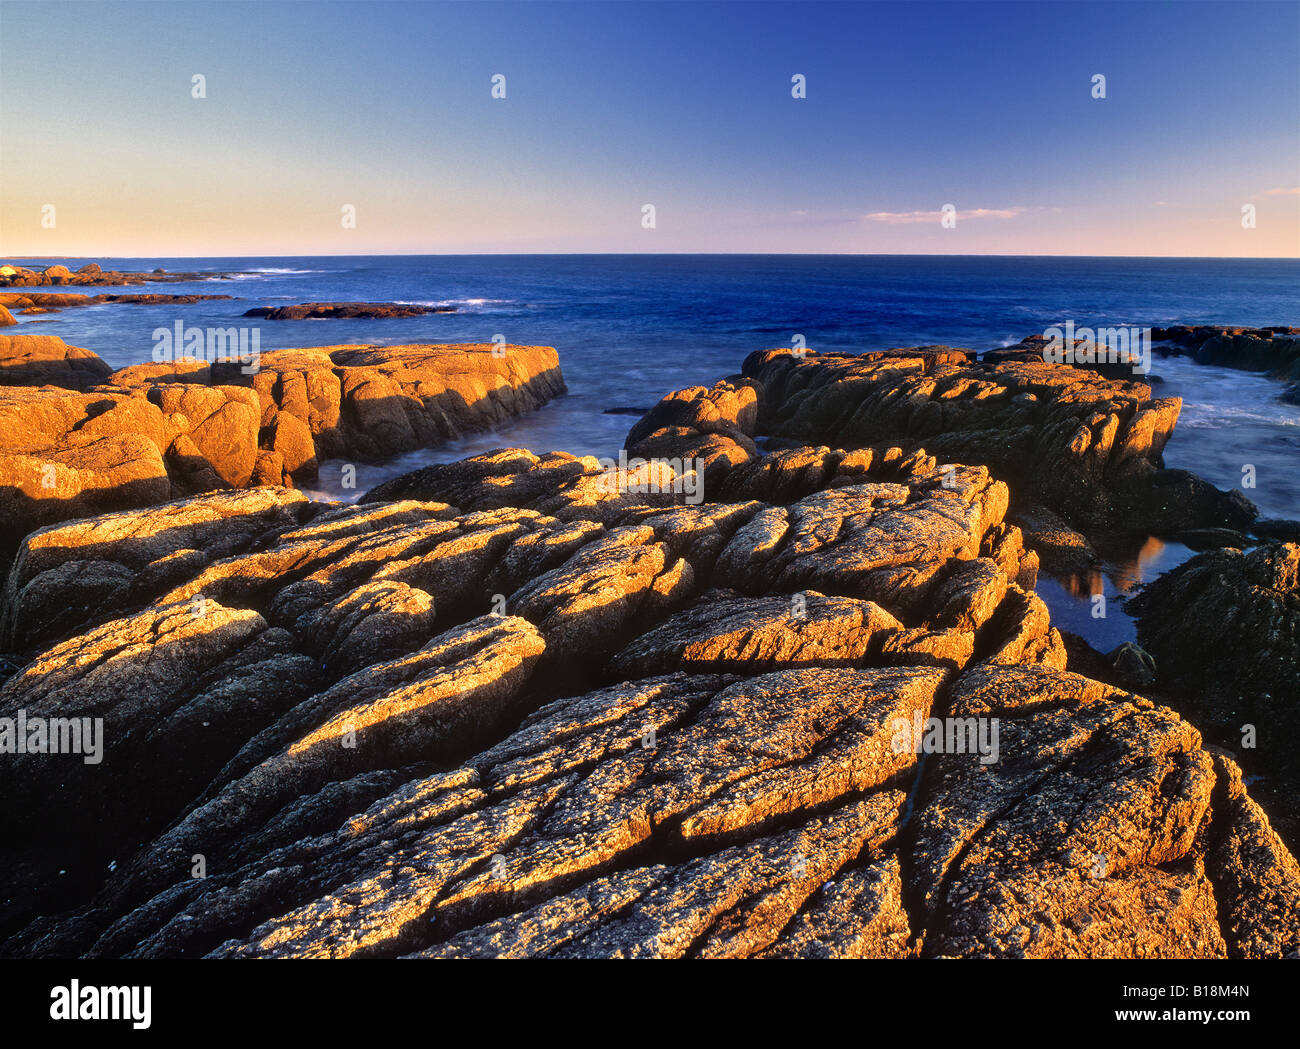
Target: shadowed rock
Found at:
1224, 632
47, 360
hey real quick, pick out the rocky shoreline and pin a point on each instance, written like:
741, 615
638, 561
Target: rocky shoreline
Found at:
81, 438
807, 705
13, 276
54, 302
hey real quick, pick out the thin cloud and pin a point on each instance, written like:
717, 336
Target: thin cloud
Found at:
904, 218
1283, 191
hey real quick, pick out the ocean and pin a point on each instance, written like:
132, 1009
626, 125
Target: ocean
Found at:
630, 328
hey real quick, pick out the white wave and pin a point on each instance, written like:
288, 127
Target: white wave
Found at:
454, 302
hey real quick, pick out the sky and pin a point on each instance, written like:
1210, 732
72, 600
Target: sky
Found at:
388, 108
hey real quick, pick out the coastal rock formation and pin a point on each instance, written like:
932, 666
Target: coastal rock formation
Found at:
1275, 349
52, 302
353, 310
713, 427
1085, 447
68, 454
373, 402
513, 707
1224, 630
92, 273
46, 360
90, 440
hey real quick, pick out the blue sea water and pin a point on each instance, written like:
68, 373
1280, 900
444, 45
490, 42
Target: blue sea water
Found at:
630, 328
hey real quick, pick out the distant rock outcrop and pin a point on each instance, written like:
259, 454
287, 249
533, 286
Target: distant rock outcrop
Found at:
91, 273
353, 310
52, 302
1275, 350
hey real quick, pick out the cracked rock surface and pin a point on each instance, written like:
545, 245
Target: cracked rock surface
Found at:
503, 707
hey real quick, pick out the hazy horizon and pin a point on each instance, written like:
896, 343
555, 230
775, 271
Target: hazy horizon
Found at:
652, 254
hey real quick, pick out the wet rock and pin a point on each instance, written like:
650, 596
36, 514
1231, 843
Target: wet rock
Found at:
1286, 531
1212, 538
1133, 666
1224, 629
1276, 353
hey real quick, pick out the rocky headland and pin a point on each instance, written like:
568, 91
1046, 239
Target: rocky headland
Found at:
520, 705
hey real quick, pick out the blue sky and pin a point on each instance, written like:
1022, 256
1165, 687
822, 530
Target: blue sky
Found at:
686, 106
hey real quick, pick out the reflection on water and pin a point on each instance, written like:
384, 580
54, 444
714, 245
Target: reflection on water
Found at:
1229, 419
1125, 567
1069, 597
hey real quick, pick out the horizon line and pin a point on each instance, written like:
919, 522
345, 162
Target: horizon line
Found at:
667, 254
